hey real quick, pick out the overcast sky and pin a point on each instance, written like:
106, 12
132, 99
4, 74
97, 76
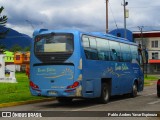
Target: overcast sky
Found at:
85, 15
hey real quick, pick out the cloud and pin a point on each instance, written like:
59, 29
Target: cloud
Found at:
85, 15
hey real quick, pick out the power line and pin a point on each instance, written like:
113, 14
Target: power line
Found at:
113, 16
143, 7
29, 22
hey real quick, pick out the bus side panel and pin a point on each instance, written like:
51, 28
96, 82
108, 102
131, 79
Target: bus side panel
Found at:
126, 76
121, 74
91, 80
94, 71
139, 77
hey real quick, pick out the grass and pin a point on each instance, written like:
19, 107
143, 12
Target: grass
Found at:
14, 92
150, 79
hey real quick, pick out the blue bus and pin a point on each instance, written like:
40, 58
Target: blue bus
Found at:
69, 64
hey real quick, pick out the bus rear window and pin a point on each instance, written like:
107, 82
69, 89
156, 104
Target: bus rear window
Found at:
52, 43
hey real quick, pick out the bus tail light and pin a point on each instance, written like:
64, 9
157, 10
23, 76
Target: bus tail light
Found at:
34, 86
72, 87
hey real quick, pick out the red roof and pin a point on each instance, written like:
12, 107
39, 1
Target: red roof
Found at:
147, 35
154, 61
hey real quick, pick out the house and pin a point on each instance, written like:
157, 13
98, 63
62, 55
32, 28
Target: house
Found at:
9, 61
22, 59
151, 41
9, 57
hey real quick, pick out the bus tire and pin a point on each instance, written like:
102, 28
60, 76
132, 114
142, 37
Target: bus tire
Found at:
134, 90
158, 94
105, 93
64, 99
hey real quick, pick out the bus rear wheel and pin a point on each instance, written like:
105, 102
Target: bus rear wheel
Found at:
134, 90
105, 94
64, 99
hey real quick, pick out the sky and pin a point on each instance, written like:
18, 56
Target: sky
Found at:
86, 15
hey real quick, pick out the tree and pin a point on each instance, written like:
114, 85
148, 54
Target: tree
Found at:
16, 48
3, 21
2, 46
27, 49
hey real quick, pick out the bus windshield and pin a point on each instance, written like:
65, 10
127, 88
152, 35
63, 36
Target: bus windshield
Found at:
51, 43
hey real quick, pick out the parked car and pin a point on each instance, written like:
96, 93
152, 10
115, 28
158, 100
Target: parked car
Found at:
158, 88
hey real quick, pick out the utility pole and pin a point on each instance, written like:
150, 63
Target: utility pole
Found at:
144, 52
107, 16
124, 6
141, 30
142, 46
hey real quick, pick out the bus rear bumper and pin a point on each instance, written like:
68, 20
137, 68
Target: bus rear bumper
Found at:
56, 93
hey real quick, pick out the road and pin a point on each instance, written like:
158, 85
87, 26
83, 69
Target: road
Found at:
145, 101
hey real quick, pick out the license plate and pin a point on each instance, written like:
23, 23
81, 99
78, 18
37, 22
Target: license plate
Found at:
52, 92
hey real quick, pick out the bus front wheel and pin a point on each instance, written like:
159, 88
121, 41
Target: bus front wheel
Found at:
134, 90
105, 94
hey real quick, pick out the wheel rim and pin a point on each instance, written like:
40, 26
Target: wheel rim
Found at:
134, 89
105, 93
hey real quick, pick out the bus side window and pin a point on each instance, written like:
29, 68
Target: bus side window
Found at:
86, 43
115, 50
86, 46
101, 55
125, 52
135, 56
107, 55
93, 48
114, 55
94, 54
91, 54
93, 43
87, 53
90, 48
103, 49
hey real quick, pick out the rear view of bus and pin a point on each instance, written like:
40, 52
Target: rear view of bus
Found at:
52, 67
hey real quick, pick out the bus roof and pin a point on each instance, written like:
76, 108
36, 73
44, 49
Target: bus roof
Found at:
112, 37
95, 34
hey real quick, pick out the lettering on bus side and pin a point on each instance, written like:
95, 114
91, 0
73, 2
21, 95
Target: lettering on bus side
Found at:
117, 67
122, 67
111, 71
